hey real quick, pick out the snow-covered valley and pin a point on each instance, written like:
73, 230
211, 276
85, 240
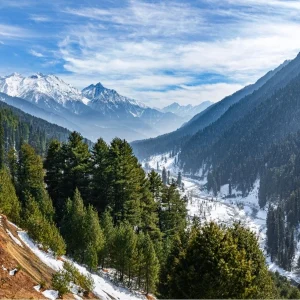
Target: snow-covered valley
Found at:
222, 208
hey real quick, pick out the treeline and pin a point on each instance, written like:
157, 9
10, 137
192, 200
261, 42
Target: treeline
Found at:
238, 154
98, 206
279, 189
19, 127
105, 210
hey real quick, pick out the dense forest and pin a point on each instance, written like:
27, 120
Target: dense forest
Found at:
97, 205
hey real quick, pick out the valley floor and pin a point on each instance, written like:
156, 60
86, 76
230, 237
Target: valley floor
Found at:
224, 210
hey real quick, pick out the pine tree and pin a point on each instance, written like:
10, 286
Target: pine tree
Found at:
173, 212
109, 234
124, 250
54, 165
13, 165
93, 238
41, 229
125, 177
30, 172
73, 226
100, 171
151, 265
76, 168
220, 263
164, 176
9, 203
179, 179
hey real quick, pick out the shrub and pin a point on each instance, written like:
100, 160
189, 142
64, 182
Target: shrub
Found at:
61, 281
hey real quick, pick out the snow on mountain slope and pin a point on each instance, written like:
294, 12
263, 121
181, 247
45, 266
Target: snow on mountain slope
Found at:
222, 208
93, 108
114, 105
103, 287
36, 87
109, 101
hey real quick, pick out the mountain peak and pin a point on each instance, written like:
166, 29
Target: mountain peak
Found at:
38, 87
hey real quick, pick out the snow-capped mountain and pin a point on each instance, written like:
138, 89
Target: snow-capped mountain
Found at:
42, 90
96, 110
187, 110
110, 102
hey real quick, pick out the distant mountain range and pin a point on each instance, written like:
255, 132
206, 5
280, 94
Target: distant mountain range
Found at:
186, 111
231, 109
95, 111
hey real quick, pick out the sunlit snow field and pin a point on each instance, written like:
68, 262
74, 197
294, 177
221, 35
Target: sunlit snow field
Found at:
223, 210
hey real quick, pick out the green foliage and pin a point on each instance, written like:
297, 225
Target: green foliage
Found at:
82, 232
173, 213
221, 263
109, 232
124, 250
284, 288
151, 265
61, 281
40, 228
85, 282
30, 172
9, 203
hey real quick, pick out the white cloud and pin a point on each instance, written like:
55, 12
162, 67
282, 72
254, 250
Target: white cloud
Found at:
39, 19
13, 32
130, 49
35, 53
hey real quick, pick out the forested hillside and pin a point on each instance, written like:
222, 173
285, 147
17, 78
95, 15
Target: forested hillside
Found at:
19, 127
99, 207
248, 97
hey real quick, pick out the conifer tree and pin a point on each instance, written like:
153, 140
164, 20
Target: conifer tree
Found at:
125, 179
100, 171
173, 213
221, 263
13, 165
9, 203
164, 176
109, 233
54, 165
73, 226
93, 238
30, 172
179, 179
124, 250
151, 265
41, 229
76, 168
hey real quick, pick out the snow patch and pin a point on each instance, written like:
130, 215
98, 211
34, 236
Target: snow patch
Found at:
104, 289
13, 272
50, 294
14, 238
37, 288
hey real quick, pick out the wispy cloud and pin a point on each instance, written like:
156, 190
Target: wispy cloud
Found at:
35, 53
159, 51
14, 32
40, 18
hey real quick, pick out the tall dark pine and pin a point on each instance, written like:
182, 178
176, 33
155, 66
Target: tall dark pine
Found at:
179, 179
164, 176
76, 157
100, 172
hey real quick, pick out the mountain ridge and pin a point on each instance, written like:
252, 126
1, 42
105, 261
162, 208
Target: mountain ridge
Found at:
92, 109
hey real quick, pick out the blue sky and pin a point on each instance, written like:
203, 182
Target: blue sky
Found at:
157, 52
